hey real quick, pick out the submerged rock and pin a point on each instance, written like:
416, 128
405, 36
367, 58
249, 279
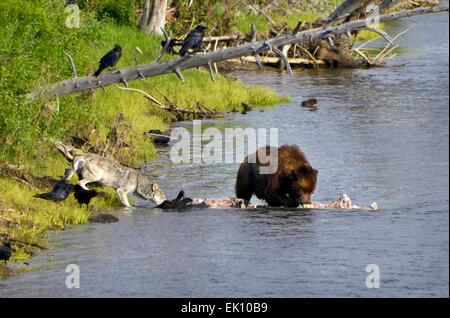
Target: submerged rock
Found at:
309, 103
246, 107
103, 218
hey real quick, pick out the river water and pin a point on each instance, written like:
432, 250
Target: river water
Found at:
378, 135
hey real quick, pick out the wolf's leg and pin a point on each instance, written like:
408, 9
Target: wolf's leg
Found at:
71, 171
87, 180
69, 175
123, 196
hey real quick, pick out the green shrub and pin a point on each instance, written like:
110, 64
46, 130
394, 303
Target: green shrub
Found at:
32, 43
121, 11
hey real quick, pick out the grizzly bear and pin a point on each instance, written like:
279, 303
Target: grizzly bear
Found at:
291, 184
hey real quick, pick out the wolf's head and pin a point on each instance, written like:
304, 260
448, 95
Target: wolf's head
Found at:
150, 191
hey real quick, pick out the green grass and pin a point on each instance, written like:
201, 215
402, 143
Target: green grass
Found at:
366, 35
244, 20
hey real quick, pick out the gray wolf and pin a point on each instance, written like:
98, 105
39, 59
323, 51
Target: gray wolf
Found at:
95, 168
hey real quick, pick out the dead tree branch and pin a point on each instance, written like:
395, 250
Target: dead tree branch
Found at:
176, 111
71, 63
264, 15
166, 46
14, 240
67, 151
379, 32
75, 85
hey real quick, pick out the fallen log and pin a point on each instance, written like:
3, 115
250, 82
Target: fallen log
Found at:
346, 8
222, 38
67, 151
124, 75
276, 60
177, 111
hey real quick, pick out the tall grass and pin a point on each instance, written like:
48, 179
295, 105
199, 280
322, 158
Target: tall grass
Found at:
244, 20
33, 38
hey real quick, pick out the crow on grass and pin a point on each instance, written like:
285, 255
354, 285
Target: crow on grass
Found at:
172, 44
59, 193
84, 196
5, 252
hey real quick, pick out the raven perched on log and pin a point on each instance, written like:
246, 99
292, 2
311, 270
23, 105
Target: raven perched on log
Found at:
84, 196
110, 59
172, 44
193, 39
5, 252
59, 193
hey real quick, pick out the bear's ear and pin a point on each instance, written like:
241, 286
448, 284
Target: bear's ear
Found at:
305, 169
155, 187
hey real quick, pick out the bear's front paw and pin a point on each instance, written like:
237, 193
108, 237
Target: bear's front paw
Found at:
291, 203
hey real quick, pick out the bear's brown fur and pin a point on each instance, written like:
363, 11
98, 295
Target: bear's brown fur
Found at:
293, 182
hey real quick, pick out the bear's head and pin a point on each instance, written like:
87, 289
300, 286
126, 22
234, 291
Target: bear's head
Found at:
304, 180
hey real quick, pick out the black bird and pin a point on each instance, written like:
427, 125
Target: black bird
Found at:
193, 39
180, 198
179, 203
110, 59
5, 252
59, 193
172, 43
84, 196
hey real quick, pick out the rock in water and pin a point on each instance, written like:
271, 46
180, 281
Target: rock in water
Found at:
103, 218
309, 103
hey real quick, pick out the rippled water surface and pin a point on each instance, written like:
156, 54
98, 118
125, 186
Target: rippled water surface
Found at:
378, 135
